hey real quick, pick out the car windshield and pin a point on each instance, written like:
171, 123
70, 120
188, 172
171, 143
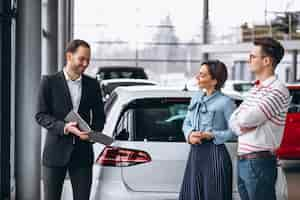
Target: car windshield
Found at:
119, 73
295, 101
242, 87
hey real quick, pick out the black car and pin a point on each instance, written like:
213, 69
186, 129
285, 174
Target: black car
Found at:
113, 72
107, 86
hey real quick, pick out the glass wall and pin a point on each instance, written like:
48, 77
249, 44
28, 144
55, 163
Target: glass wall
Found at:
161, 36
242, 21
165, 37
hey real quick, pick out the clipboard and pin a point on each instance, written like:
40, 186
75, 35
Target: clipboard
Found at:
99, 137
94, 136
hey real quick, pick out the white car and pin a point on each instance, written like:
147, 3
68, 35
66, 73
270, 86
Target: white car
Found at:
148, 158
239, 86
232, 87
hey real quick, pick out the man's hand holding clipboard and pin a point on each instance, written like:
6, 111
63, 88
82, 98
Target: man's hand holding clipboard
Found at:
93, 136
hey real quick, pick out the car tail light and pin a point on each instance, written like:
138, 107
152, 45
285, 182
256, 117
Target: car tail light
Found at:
122, 157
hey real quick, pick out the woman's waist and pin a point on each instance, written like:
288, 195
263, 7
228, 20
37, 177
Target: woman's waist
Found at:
207, 148
207, 143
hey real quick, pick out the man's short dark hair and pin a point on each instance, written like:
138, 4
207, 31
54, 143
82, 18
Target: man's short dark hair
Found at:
272, 48
75, 44
218, 71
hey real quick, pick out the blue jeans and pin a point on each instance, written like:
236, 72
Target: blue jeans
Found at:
257, 178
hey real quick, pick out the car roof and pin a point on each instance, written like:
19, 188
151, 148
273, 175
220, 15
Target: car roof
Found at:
162, 91
116, 67
237, 81
136, 92
229, 83
127, 80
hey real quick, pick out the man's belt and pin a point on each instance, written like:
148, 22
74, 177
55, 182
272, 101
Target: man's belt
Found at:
254, 155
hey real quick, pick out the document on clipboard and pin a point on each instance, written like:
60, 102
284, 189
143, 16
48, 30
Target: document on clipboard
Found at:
94, 136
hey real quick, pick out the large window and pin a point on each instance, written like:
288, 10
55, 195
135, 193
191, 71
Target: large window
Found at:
161, 36
165, 37
234, 21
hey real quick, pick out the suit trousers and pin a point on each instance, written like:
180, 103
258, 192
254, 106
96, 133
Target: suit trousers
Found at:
53, 180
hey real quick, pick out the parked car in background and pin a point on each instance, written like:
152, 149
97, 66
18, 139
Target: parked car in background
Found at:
113, 72
148, 158
290, 145
107, 86
239, 86
234, 87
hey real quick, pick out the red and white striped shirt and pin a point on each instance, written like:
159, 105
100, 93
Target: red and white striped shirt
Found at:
264, 109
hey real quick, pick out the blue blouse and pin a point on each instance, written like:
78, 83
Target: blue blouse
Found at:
210, 113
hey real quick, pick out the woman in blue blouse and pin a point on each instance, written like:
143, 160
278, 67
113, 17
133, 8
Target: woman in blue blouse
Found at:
208, 174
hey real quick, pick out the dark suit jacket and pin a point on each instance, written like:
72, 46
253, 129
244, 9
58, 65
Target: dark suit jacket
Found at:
54, 103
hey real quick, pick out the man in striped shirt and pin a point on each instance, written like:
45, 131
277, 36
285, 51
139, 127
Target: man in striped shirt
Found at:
259, 123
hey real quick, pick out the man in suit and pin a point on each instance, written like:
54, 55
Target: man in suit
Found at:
67, 149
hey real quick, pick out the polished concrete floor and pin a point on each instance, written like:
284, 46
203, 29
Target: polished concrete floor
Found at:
294, 185
292, 172
292, 175
291, 169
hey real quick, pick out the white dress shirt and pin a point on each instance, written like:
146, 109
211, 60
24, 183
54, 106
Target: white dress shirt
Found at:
75, 89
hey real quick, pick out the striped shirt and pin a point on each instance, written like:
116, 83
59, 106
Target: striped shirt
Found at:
264, 112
